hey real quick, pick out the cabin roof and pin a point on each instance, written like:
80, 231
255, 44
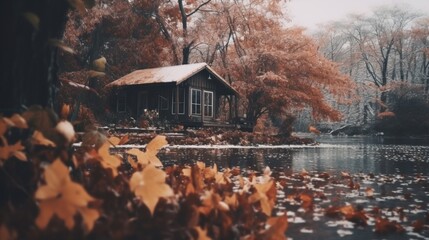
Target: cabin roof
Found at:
171, 74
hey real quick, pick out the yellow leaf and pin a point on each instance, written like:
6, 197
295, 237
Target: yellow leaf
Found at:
39, 139
149, 185
63, 198
107, 160
152, 149
33, 19
61, 45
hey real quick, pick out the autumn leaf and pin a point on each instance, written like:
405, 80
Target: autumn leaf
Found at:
202, 234
125, 139
7, 151
63, 198
260, 195
39, 139
109, 161
277, 229
149, 185
211, 201
152, 149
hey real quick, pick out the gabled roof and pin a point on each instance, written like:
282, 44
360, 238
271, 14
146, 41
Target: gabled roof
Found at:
172, 74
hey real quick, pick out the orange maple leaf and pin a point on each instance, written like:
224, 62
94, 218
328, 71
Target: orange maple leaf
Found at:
63, 198
260, 195
149, 185
152, 148
107, 160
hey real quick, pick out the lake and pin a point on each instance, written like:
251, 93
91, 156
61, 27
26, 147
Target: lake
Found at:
378, 155
395, 169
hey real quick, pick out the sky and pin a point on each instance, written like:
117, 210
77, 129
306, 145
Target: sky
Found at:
310, 13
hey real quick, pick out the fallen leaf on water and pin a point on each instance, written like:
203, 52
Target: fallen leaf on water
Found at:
384, 226
63, 198
149, 185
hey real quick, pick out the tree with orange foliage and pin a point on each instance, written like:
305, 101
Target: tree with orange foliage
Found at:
276, 70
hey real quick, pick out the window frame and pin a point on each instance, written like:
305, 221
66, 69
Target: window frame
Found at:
181, 103
209, 106
191, 101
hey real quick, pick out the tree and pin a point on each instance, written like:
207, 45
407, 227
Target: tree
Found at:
276, 74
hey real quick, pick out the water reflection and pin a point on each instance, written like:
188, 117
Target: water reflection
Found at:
364, 154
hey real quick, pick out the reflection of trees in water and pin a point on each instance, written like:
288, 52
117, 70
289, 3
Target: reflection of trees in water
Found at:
252, 159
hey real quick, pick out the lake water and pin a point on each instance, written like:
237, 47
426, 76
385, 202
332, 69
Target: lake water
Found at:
378, 155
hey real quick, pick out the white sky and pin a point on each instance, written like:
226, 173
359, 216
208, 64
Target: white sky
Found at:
310, 13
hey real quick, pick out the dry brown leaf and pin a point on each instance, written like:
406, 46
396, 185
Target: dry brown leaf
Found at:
277, 230
307, 201
39, 139
149, 185
211, 201
63, 198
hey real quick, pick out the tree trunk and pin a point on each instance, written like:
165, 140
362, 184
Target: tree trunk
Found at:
28, 61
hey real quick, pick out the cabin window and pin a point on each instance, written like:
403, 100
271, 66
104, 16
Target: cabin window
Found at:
121, 102
162, 103
195, 102
181, 101
208, 104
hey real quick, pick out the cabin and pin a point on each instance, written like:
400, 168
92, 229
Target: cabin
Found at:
189, 94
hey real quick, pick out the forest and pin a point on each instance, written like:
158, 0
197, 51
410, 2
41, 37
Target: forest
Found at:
369, 72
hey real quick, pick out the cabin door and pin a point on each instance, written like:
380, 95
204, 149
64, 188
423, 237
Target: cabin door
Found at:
142, 102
